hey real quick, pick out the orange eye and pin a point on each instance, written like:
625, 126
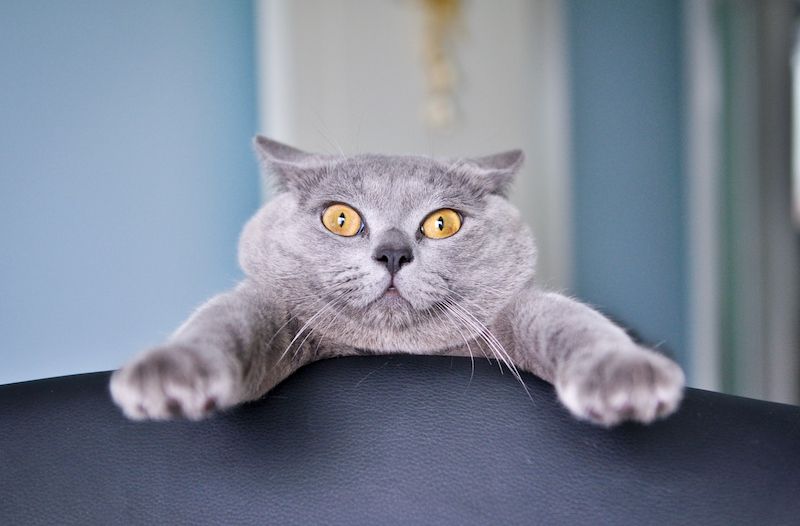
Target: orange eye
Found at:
342, 220
441, 224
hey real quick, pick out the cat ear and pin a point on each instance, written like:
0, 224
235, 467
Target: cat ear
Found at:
495, 172
290, 168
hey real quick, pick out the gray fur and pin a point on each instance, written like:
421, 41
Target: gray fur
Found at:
310, 294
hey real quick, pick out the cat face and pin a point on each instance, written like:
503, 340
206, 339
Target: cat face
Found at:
391, 253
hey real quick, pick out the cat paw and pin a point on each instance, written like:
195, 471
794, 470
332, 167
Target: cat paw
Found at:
173, 382
612, 387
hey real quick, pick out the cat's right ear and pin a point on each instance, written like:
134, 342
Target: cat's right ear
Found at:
291, 169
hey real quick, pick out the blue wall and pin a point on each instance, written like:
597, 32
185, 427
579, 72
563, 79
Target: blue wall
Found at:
125, 173
627, 152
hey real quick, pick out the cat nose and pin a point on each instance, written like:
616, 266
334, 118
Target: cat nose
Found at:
394, 257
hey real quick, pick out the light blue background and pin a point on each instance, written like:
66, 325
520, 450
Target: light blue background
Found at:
630, 224
125, 173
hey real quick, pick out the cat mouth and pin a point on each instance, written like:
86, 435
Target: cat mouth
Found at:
391, 297
392, 292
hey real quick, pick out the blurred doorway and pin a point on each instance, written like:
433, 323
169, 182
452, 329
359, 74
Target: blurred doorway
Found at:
744, 248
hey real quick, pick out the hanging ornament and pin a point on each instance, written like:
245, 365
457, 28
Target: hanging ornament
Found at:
442, 19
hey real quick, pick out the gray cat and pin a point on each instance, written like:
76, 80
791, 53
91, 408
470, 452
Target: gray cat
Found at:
389, 254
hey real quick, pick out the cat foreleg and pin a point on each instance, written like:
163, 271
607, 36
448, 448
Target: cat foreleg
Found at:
216, 359
599, 373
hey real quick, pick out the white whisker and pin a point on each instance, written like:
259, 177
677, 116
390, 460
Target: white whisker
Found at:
469, 349
306, 325
493, 342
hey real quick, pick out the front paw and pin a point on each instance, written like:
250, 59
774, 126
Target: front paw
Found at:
173, 381
614, 386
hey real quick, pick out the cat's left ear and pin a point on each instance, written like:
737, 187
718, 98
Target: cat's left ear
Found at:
495, 172
291, 169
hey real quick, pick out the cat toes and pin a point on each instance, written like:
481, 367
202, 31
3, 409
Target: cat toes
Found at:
172, 382
614, 387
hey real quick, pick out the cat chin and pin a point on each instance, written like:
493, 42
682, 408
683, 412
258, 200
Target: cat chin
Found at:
394, 305
391, 300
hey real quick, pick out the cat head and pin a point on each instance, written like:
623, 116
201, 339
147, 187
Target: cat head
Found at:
389, 252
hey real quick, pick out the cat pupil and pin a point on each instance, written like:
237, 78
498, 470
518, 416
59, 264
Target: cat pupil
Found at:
340, 220
440, 223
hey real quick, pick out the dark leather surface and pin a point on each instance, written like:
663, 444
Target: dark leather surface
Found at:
393, 440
